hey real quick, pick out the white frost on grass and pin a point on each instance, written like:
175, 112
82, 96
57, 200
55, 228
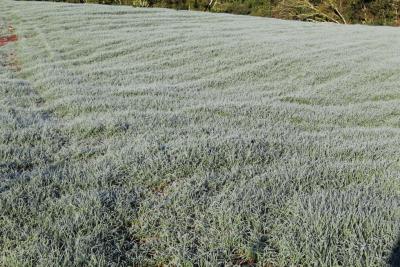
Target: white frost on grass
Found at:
151, 136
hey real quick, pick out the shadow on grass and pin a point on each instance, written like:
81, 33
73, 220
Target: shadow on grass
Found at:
394, 260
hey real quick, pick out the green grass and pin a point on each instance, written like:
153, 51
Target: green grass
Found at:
145, 137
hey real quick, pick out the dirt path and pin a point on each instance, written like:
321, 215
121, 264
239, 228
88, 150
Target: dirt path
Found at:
10, 37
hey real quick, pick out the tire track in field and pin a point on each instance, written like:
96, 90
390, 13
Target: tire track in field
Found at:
28, 118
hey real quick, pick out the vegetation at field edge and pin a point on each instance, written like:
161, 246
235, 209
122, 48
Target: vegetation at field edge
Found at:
150, 137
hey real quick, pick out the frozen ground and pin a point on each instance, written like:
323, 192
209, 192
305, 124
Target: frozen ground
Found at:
144, 137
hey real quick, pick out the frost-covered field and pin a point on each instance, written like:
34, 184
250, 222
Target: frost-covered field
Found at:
145, 137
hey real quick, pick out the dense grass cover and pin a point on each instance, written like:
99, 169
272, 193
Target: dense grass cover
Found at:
373, 12
151, 136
